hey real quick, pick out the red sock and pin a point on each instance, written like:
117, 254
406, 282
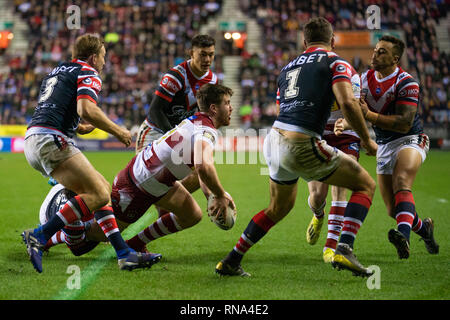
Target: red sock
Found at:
335, 223
57, 238
163, 226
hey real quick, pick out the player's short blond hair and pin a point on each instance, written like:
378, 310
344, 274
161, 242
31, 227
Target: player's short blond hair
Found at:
86, 45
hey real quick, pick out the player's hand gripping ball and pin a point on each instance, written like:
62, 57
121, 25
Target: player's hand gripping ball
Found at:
226, 219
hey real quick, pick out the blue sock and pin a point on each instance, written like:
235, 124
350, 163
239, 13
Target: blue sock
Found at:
46, 231
106, 220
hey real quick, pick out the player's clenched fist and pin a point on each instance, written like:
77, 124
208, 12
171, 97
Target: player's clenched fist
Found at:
124, 136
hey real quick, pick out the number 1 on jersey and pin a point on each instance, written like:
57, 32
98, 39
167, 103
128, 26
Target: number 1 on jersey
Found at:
291, 77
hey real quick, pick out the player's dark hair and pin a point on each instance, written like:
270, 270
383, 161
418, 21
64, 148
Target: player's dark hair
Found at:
202, 41
398, 45
210, 94
86, 45
318, 30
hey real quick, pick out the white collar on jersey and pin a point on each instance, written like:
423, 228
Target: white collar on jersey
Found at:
393, 74
192, 72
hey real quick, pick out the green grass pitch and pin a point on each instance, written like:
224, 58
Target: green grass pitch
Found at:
282, 264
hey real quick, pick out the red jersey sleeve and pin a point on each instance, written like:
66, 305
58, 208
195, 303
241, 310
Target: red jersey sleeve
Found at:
89, 86
341, 70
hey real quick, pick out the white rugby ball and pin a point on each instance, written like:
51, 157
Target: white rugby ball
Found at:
224, 221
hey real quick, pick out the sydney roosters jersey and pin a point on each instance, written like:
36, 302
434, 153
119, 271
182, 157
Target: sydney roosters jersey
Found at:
178, 87
171, 157
382, 95
336, 112
58, 96
305, 93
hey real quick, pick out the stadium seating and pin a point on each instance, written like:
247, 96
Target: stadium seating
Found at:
281, 20
154, 34
143, 39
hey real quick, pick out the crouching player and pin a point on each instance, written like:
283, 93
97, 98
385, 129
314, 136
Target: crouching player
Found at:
153, 175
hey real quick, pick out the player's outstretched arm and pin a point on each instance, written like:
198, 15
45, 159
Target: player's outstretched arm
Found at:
158, 115
90, 112
352, 113
399, 122
204, 164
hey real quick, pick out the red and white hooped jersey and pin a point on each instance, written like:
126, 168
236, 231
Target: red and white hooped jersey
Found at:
171, 157
382, 95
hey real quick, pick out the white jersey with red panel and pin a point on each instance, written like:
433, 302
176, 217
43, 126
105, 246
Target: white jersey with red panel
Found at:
382, 96
336, 112
154, 170
172, 154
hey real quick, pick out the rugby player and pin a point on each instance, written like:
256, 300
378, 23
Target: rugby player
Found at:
153, 175
174, 99
68, 94
390, 102
307, 88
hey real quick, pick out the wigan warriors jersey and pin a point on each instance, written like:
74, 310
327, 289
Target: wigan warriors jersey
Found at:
178, 87
58, 96
171, 157
382, 95
305, 93
336, 112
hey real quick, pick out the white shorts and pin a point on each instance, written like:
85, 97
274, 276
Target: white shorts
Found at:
147, 133
387, 153
45, 152
310, 159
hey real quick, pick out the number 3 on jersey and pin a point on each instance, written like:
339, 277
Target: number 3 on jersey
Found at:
291, 77
49, 86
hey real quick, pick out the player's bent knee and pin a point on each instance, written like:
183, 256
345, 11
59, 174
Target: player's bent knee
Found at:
402, 182
190, 217
278, 211
371, 186
102, 197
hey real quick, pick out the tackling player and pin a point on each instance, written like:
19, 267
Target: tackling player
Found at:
391, 100
349, 143
152, 176
68, 94
307, 88
175, 97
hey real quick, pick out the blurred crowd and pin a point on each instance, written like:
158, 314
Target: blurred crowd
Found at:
145, 38
281, 21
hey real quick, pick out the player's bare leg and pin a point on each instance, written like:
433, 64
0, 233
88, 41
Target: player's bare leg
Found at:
335, 218
78, 174
317, 200
403, 208
282, 200
184, 213
352, 176
191, 184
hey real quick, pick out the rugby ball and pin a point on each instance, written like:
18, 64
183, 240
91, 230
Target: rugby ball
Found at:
224, 221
